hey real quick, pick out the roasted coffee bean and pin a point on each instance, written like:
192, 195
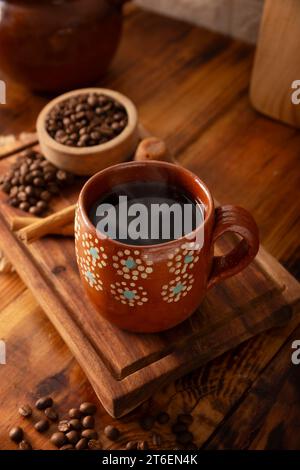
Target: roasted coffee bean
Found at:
42, 205
36, 178
43, 403
51, 414
75, 413
75, 424
94, 444
156, 439
13, 202
25, 411
142, 445
64, 426
178, 427
89, 434
147, 422
73, 436
25, 445
163, 418
24, 206
88, 422
82, 113
111, 432
82, 444
131, 445
16, 434
58, 439
34, 210
42, 425
88, 408
67, 447
184, 437
185, 418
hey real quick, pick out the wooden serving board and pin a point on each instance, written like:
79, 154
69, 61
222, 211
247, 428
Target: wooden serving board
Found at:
125, 368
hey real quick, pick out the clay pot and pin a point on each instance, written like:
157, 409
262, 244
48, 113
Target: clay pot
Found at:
151, 288
53, 46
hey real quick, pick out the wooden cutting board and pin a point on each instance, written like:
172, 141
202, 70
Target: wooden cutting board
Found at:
124, 368
277, 63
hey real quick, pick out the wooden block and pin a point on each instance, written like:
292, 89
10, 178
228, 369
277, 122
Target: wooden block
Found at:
277, 63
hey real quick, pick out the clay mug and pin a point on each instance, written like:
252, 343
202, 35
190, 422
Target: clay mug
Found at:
151, 288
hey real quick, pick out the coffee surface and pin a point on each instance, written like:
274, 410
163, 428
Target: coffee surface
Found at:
145, 213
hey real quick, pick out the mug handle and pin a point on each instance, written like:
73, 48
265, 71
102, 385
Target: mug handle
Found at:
237, 220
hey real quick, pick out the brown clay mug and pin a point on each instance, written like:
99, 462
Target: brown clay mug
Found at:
154, 287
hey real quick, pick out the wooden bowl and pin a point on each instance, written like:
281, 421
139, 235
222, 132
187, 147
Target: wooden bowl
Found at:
90, 160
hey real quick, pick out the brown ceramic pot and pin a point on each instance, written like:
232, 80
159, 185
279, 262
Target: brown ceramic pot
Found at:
56, 45
153, 288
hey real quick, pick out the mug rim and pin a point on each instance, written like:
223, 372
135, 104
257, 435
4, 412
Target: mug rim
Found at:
155, 163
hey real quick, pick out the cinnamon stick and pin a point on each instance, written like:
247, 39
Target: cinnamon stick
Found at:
18, 223
49, 225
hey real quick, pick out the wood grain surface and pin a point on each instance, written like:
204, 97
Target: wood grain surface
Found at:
191, 88
276, 66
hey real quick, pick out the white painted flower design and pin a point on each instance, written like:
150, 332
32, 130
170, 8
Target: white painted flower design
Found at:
177, 288
94, 253
129, 293
183, 258
91, 277
131, 266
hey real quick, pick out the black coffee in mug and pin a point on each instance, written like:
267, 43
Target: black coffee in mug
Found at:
146, 213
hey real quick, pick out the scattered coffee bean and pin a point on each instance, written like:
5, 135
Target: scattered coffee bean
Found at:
25, 445
147, 422
88, 422
86, 120
64, 426
142, 445
32, 181
185, 418
94, 444
75, 413
163, 417
178, 427
89, 434
75, 424
87, 408
73, 437
67, 447
58, 439
184, 437
111, 432
25, 411
82, 444
42, 425
131, 445
156, 439
43, 403
51, 414
16, 434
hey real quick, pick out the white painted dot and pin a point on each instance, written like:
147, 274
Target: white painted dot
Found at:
134, 278
149, 270
140, 303
127, 276
189, 288
125, 270
120, 253
135, 272
141, 268
132, 284
144, 299
136, 252
115, 258
115, 265
119, 272
144, 275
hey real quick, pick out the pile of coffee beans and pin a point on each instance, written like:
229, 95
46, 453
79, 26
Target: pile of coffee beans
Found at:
32, 181
77, 431
86, 120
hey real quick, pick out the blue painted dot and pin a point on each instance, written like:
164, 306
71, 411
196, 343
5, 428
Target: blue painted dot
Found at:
130, 263
128, 294
94, 252
188, 259
177, 289
90, 276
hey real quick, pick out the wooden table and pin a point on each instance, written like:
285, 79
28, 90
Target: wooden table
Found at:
191, 88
